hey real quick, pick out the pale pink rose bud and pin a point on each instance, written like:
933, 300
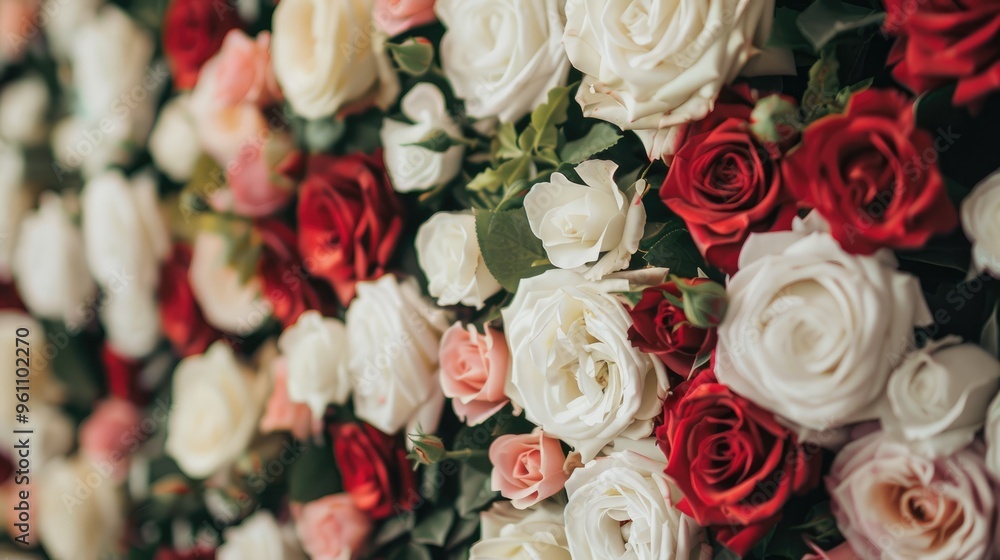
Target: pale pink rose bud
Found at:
474, 371
243, 70
397, 16
527, 468
110, 435
332, 527
283, 415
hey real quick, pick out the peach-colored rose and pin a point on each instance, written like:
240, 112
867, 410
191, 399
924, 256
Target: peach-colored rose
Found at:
527, 468
105, 435
332, 527
841, 552
397, 16
243, 70
474, 371
17, 26
283, 415
259, 178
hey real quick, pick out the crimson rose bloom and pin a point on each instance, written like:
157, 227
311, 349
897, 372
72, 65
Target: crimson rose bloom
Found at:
349, 220
734, 463
870, 173
945, 41
180, 316
285, 282
374, 468
9, 298
661, 328
122, 375
725, 184
193, 31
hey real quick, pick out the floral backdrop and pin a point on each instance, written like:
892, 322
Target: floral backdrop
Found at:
499, 279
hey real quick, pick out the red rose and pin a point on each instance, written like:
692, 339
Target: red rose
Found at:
197, 553
193, 31
945, 41
660, 327
734, 463
180, 316
726, 185
374, 469
122, 375
9, 298
870, 173
349, 220
286, 284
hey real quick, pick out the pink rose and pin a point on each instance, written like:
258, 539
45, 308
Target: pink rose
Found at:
892, 503
397, 16
18, 25
527, 468
283, 415
474, 371
243, 70
332, 527
104, 435
841, 552
259, 179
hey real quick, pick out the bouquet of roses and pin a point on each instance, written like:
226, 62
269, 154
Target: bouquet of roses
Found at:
498, 279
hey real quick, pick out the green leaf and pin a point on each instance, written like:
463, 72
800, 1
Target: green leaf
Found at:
412, 56
507, 147
437, 141
547, 116
475, 492
394, 527
676, 251
509, 247
314, 474
785, 33
434, 528
824, 20
600, 137
989, 337
411, 551
322, 134
504, 175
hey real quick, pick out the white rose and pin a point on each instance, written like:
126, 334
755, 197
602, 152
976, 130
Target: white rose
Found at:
14, 202
49, 264
394, 334
981, 222
938, 397
131, 319
260, 537
651, 64
328, 54
170, 143
508, 533
80, 511
412, 168
23, 104
226, 303
629, 490
317, 355
812, 332
63, 19
216, 403
573, 369
43, 387
578, 223
992, 436
449, 255
116, 88
503, 56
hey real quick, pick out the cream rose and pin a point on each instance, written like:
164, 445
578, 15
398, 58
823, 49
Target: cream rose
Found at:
80, 511
413, 168
893, 504
170, 142
448, 253
394, 335
49, 265
23, 104
649, 65
131, 319
329, 54
317, 355
573, 369
259, 537
992, 436
216, 404
812, 332
629, 487
502, 56
938, 397
579, 223
529, 534
14, 203
227, 303
981, 222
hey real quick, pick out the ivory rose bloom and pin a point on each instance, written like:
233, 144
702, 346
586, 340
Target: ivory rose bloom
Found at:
77, 524
227, 303
503, 56
474, 371
512, 534
573, 369
281, 414
317, 355
23, 104
813, 332
992, 436
398, 16
14, 203
216, 404
892, 504
332, 527
327, 57
413, 168
624, 502
394, 336
170, 143
448, 253
981, 222
527, 468
579, 223
259, 537
938, 397
650, 65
